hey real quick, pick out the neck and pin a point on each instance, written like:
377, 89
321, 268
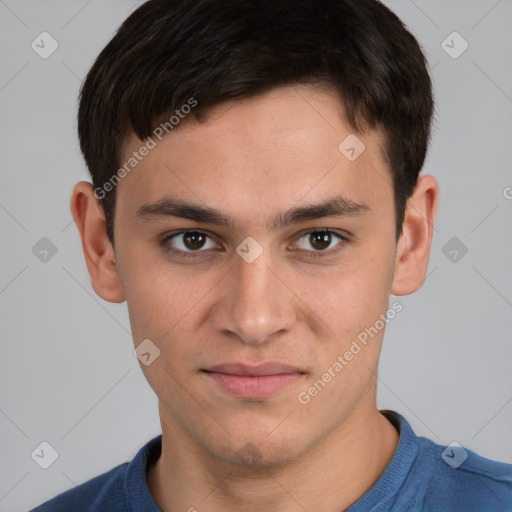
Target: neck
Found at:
330, 477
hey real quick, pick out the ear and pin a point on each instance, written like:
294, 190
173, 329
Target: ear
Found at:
413, 250
98, 251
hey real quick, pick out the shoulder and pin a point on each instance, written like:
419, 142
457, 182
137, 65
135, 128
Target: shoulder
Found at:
100, 494
460, 479
122, 489
434, 477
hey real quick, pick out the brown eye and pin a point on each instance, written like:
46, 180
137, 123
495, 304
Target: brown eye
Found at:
321, 240
189, 242
194, 240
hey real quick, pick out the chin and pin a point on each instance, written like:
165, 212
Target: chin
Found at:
259, 451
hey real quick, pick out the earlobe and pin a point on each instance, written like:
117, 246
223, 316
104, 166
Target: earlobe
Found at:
413, 251
98, 251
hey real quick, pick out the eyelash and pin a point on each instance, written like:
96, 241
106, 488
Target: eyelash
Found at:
310, 254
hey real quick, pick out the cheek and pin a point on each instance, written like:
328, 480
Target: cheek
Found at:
168, 305
351, 306
162, 307
351, 297
158, 293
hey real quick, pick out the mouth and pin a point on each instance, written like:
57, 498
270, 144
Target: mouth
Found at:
253, 382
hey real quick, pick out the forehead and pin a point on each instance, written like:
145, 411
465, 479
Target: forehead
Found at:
262, 154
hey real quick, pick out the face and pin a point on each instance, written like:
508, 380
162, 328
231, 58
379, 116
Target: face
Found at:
266, 292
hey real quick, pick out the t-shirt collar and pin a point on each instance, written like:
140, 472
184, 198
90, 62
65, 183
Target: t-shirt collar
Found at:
139, 497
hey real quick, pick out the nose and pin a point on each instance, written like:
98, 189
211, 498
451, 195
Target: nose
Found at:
256, 304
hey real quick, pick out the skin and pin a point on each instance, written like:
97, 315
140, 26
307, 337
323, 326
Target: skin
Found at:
252, 159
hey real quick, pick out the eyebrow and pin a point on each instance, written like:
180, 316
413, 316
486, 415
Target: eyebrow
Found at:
172, 207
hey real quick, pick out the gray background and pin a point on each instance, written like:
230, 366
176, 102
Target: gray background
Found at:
67, 371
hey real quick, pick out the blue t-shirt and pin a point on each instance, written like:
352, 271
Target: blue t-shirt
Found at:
421, 476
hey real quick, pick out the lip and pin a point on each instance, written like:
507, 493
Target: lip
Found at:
268, 368
253, 381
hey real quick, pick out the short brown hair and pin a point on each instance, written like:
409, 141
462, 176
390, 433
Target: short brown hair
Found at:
168, 51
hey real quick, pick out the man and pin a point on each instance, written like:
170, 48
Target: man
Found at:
255, 200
